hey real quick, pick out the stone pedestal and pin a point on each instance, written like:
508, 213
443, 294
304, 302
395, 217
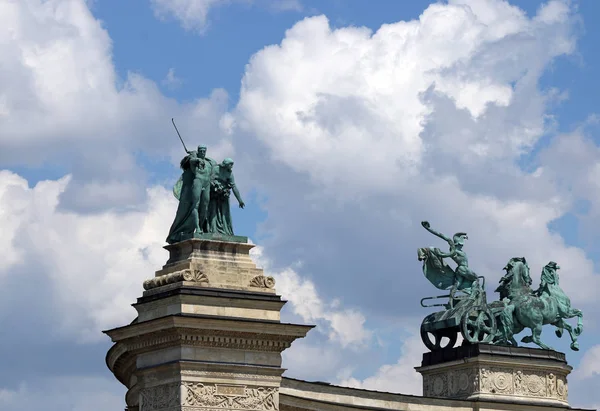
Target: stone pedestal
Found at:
494, 373
208, 334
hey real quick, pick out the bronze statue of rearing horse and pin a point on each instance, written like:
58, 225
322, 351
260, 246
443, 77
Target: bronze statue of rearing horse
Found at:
525, 308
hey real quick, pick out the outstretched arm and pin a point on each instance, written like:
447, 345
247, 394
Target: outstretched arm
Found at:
427, 227
236, 193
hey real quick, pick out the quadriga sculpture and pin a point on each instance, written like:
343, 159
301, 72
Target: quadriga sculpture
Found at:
468, 312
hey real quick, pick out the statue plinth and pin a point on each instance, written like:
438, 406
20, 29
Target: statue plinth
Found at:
208, 334
496, 373
211, 263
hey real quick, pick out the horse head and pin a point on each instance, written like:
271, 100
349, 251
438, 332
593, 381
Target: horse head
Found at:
517, 279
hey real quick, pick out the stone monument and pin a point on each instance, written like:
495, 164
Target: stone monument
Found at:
489, 365
208, 333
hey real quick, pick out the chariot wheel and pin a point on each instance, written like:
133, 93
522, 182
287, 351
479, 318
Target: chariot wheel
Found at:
478, 325
439, 339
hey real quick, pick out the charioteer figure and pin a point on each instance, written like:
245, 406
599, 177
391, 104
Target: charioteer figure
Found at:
440, 274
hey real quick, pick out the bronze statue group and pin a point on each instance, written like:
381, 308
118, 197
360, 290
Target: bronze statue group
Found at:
519, 307
203, 192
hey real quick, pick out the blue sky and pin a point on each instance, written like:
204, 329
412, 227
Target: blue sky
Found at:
477, 115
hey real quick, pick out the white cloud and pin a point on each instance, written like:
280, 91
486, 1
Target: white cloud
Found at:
95, 264
421, 119
344, 326
339, 97
370, 133
400, 377
193, 14
589, 366
171, 80
59, 71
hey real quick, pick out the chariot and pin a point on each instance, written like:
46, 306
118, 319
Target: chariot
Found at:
466, 313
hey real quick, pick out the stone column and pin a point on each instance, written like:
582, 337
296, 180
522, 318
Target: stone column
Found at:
208, 334
495, 373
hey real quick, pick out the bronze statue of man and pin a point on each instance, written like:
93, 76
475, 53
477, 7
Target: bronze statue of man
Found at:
204, 173
193, 192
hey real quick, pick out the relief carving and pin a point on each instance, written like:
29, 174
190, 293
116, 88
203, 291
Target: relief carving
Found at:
562, 388
520, 383
197, 276
262, 281
551, 384
230, 397
536, 384
463, 383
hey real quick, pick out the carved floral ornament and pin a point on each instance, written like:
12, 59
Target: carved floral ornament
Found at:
262, 281
209, 396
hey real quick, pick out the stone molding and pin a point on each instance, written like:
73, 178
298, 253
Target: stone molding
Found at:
230, 375
528, 384
206, 249
211, 338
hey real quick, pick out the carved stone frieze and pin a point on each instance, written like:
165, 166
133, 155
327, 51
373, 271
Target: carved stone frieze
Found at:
505, 381
196, 276
228, 396
262, 281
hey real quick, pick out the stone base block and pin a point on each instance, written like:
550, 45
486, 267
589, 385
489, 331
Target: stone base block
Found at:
214, 264
493, 373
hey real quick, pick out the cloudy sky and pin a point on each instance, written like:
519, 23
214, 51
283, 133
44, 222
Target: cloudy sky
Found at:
350, 122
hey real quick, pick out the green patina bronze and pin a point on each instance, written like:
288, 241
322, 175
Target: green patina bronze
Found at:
468, 312
525, 308
439, 273
223, 184
203, 191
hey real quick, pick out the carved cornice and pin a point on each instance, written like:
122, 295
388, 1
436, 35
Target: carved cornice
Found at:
210, 324
210, 338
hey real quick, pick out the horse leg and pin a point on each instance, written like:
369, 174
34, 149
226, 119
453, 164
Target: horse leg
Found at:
572, 334
579, 329
535, 335
559, 329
